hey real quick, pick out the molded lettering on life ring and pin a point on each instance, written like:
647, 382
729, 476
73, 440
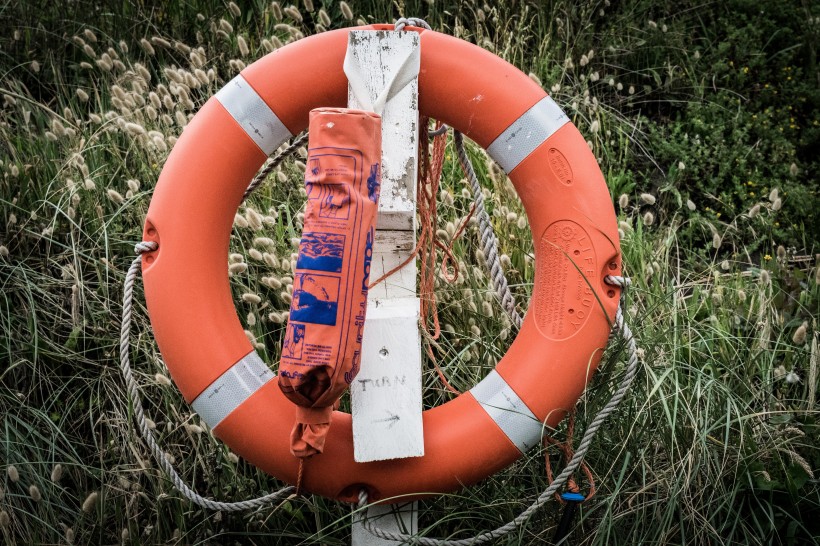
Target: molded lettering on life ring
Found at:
560, 166
567, 271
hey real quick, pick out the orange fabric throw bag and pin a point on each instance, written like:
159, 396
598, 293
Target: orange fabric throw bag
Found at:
322, 348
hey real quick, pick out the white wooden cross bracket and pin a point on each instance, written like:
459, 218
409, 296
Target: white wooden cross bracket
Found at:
382, 68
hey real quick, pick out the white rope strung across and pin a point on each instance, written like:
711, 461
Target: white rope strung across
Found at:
489, 242
133, 389
139, 413
561, 479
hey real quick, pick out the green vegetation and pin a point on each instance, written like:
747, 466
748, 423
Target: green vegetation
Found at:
706, 120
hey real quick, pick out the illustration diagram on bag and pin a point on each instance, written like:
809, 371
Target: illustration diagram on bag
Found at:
321, 251
315, 299
294, 341
333, 197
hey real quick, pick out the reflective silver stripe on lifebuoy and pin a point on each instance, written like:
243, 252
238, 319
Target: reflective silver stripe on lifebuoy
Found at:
508, 411
527, 133
253, 114
232, 388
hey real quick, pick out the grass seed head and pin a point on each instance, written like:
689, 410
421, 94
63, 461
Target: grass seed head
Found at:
293, 13
276, 9
243, 46
105, 63
234, 9
34, 493
89, 504
324, 18
57, 472
147, 47
115, 196
799, 337
774, 194
754, 211
251, 298
254, 219
12, 473
347, 13
237, 268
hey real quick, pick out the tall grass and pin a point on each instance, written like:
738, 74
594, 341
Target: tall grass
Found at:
716, 444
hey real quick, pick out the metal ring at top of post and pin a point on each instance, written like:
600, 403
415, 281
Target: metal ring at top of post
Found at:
411, 22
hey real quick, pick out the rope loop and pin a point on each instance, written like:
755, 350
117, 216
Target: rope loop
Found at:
145, 246
410, 22
132, 389
617, 280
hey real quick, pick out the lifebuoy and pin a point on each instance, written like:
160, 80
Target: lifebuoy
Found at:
545, 369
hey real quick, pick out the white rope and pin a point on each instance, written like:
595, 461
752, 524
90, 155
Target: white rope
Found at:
489, 242
139, 414
263, 174
410, 21
133, 388
560, 480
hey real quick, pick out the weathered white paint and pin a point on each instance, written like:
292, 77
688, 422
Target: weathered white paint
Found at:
390, 249
386, 394
383, 53
397, 518
389, 381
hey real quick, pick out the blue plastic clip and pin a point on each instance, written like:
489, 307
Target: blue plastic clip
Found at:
572, 501
573, 497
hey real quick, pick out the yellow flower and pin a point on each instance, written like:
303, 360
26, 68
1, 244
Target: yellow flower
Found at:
767, 257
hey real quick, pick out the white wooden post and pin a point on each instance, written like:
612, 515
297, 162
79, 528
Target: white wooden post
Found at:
386, 394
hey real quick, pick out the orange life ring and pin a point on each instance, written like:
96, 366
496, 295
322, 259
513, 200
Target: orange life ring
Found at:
481, 431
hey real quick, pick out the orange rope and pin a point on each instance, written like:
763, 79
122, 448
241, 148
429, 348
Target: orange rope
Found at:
429, 178
298, 491
566, 449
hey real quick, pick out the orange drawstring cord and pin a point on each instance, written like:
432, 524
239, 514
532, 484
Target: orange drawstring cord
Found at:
566, 449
